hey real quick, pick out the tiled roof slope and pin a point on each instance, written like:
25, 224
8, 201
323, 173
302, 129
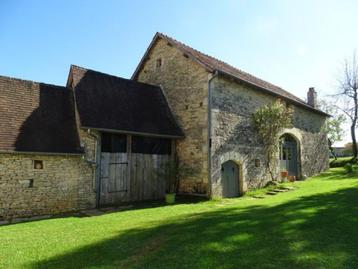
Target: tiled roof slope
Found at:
36, 117
112, 103
212, 64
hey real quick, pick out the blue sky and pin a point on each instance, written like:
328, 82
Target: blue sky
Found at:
294, 44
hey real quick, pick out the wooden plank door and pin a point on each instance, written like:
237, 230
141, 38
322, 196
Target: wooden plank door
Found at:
230, 179
113, 178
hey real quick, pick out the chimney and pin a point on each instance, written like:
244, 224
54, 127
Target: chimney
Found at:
312, 97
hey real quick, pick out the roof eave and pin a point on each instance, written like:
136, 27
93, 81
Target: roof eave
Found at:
134, 133
42, 153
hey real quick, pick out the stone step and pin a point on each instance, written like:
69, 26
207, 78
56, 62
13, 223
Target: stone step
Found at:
279, 190
288, 188
271, 193
258, 196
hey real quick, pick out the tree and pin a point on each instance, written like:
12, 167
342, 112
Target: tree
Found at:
269, 121
348, 148
333, 127
348, 94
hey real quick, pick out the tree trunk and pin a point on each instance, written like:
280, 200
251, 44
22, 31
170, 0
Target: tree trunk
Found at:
354, 141
269, 165
354, 124
331, 149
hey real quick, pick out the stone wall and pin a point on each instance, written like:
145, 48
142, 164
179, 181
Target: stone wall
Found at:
233, 137
63, 185
185, 84
88, 169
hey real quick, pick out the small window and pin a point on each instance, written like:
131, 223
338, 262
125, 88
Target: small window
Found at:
149, 145
158, 63
257, 163
38, 164
113, 143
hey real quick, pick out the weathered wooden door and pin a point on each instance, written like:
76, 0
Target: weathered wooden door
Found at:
113, 178
288, 155
230, 179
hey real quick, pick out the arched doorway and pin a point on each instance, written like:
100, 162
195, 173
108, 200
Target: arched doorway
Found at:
289, 155
230, 178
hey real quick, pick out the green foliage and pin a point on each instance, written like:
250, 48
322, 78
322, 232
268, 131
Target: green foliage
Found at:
314, 226
334, 124
348, 167
340, 162
351, 168
269, 121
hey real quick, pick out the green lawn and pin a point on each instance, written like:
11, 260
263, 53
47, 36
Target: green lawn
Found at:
314, 226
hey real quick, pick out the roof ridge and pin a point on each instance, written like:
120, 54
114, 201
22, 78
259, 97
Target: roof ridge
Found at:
30, 81
110, 75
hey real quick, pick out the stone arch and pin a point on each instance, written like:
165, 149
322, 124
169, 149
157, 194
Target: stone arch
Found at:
296, 148
236, 158
230, 179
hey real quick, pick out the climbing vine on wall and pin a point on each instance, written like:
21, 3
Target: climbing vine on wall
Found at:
269, 122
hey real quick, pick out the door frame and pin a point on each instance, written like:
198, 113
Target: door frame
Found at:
240, 176
298, 153
99, 166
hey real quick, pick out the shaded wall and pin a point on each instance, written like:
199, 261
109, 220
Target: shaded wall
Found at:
233, 137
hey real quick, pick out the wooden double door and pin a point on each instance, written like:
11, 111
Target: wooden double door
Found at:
130, 168
289, 155
124, 179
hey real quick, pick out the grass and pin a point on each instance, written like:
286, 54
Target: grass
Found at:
314, 226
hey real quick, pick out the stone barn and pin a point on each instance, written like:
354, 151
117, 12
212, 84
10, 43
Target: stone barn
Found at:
97, 142
101, 140
213, 103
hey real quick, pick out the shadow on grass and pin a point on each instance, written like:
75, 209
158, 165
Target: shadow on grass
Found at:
180, 199
311, 232
333, 175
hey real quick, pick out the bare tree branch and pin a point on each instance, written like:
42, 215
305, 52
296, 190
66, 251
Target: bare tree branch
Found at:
349, 95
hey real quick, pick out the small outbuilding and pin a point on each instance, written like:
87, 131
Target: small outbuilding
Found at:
99, 141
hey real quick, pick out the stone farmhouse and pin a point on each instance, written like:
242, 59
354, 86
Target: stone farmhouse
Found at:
101, 139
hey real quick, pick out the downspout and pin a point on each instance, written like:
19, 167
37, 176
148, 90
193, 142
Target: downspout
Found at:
216, 73
96, 165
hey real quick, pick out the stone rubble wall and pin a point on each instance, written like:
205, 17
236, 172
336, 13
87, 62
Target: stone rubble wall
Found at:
233, 137
185, 84
65, 184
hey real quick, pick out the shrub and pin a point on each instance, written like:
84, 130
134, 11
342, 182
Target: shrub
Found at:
348, 167
340, 162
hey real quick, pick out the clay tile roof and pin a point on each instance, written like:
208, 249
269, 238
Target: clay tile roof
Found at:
107, 102
36, 117
212, 64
